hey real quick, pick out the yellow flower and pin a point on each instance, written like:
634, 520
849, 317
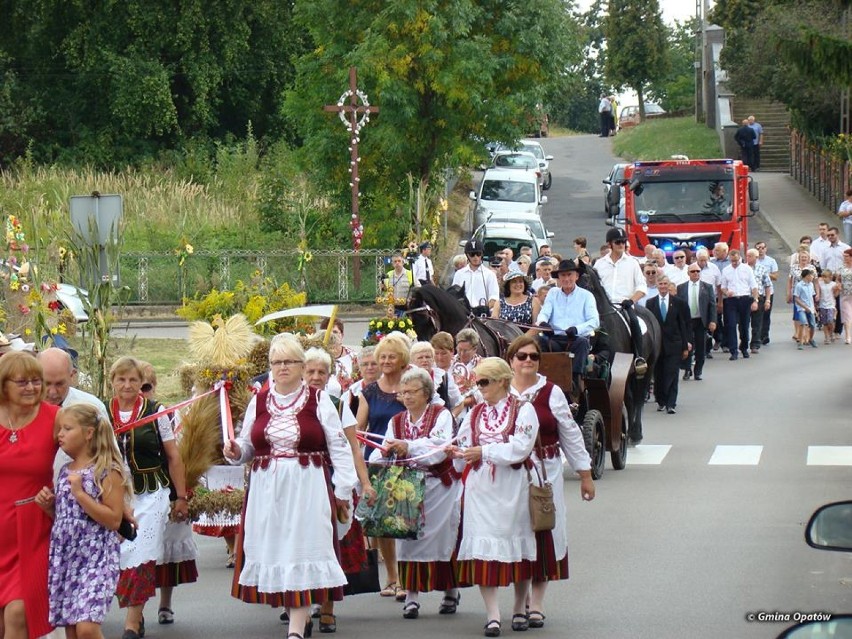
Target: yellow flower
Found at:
391, 324
188, 248
28, 331
308, 256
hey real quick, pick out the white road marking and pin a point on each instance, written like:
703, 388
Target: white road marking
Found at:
829, 455
648, 454
736, 456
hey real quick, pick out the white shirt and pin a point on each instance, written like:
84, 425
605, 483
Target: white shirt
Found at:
740, 281
712, 275
605, 106
423, 270
676, 274
845, 207
818, 245
652, 292
832, 256
480, 285
620, 279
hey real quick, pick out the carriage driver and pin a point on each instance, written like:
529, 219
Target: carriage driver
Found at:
622, 279
480, 283
572, 314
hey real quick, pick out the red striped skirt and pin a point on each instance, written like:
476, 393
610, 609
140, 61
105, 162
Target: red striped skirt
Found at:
175, 574
136, 585
546, 566
426, 576
477, 572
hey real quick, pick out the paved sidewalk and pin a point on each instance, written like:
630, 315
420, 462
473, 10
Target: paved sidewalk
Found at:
789, 209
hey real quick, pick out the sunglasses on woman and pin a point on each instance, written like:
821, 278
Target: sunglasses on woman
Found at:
522, 357
482, 383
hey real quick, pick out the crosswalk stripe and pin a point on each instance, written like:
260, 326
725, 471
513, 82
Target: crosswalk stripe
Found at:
735, 456
829, 455
648, 454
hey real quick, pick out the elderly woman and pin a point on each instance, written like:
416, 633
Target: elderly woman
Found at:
423, 356
421, 432
498, 545
380, 402
177, 564
27, 450
518, 304
369, 368
557, 432
353, 553
156, 469
291, 433
345, 362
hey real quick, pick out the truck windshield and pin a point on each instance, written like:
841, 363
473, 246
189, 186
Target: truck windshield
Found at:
692, 201
508, 191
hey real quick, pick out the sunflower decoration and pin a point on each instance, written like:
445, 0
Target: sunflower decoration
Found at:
378, 328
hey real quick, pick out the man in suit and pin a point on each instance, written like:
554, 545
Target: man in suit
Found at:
700, 299
673, 315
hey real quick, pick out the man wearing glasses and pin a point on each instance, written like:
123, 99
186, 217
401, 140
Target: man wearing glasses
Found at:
650, 271
831, 258
480, 284
677, 272
700, 298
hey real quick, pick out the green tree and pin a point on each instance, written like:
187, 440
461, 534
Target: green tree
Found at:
447, 76
676, 90
637, 47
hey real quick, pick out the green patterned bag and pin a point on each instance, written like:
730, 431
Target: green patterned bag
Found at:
398, 510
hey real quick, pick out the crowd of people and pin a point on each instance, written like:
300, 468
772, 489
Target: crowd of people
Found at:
96, 499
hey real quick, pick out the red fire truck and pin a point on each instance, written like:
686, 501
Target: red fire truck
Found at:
682, 203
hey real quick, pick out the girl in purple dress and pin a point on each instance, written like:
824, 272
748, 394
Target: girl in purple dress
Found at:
87, 510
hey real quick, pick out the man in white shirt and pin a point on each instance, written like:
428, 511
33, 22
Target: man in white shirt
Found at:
543, 269
650, 270
605, 111
844, 212
772, 267
677, 272
59, 378
622, 279
819, 243
480, 283
832, 259
739, 301
423, 270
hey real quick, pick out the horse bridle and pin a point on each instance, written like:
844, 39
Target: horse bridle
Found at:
430, 313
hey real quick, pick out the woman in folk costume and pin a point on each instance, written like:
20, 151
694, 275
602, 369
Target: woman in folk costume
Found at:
498, 545
557, 432
155, 467
288, 553
422, 431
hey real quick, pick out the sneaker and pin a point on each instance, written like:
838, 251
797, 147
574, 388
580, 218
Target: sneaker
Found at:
812, 344
800, 347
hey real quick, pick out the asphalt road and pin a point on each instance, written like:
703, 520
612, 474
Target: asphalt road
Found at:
702, 529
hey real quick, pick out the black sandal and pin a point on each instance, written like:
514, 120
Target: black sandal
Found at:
538, 620
411, 610
520, 622
492, 628
449, 605
327, 628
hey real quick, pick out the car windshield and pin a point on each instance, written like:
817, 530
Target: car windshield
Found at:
494, 244
535, 226
676, 201
508, 191
515, 161
535, 149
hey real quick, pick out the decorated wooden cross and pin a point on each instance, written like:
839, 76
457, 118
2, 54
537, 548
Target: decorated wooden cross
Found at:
354, 114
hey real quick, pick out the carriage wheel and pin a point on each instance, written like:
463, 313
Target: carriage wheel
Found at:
619, 458
594, 438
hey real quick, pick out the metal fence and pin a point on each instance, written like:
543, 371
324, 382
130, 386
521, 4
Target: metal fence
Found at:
159, 278
824, 173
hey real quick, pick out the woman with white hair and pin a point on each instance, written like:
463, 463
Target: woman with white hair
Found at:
423, 356
466, 359
291, 433
498, 545
422, 431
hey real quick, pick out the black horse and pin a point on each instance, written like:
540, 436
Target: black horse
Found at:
434, 309
616, 337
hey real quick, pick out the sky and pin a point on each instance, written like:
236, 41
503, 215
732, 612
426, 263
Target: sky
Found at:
672, 9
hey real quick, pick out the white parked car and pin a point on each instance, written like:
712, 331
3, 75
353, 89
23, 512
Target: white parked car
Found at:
534, 147
504, 191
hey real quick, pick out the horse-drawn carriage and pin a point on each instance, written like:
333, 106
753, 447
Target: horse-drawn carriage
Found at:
612, 396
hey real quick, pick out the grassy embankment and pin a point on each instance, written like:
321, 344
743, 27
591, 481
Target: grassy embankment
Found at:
660, 138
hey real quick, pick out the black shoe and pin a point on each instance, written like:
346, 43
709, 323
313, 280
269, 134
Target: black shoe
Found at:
411, 610
660, 408
708, 356
449, 605
536, 619
327, 628
697, 377
520, 623
687, 374
309, 628
671, 411
764, 341
746, 355
492, 628
129, 634
285, 617
733, 358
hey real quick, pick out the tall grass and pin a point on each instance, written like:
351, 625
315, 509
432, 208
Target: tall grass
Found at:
660, 138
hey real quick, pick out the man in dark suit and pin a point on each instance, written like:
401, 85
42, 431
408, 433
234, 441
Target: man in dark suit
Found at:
673, 315
700, 299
